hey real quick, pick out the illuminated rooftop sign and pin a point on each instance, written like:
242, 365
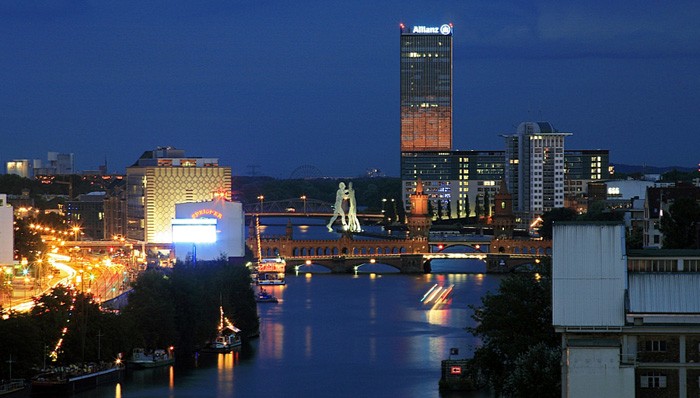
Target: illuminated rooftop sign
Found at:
445, 29
207, 212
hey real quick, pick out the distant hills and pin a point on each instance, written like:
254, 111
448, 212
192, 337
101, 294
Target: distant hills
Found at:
631, 169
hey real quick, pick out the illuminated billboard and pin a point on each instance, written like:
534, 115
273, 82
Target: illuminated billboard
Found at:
194, 230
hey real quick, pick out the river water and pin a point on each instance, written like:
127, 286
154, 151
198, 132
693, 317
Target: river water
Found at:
366, 335
330, 335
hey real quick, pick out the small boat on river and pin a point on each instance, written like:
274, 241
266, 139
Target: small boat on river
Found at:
70, 379
270, 271
228, 337
265, 297
143, 359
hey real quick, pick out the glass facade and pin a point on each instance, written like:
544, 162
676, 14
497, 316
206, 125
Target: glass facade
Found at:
426, 89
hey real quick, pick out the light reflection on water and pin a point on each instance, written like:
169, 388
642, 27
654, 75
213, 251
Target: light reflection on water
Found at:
336, 335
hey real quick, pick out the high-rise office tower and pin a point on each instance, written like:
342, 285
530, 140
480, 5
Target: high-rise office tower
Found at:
426, 109
535, 169
426, 88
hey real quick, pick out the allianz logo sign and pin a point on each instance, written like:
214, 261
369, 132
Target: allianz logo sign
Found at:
444, 29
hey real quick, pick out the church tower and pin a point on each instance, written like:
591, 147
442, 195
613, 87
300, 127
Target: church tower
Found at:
418, 219
503, 217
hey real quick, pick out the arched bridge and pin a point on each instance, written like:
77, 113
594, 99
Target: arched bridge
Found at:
297, 206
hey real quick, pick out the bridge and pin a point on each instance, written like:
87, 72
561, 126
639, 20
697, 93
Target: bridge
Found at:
300, 207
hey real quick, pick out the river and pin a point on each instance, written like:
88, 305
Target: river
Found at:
331, 335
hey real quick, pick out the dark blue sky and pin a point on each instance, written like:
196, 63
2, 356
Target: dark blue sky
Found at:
280, 84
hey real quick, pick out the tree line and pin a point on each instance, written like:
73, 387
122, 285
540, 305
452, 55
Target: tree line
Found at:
177, 307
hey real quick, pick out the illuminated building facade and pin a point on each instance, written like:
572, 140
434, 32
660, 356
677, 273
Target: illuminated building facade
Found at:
162, 178
426, 88
21, 167
582, 167
426, 114
208, 230
457, 182
534, 165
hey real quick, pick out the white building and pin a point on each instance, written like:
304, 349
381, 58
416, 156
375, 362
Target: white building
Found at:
7, 247
535, 168
209, 230
630, 322
20, 167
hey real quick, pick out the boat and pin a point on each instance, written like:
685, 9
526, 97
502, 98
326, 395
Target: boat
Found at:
228, 337
12, 386
143, 359
271, 271
265, 297
75, 378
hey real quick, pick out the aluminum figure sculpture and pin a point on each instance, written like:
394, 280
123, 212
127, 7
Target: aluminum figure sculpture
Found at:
345, 205
340, 196
353, 222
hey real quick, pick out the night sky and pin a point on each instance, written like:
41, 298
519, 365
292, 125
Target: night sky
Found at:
281, 84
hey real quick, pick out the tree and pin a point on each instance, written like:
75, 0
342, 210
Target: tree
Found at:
680, 224
511, 323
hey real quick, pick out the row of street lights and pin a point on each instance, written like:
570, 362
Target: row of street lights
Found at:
261, 198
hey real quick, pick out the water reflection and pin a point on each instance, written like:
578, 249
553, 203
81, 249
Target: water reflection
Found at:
224, 366
308, 331
373, 328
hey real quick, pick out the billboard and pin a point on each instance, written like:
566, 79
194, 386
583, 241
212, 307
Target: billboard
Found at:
194, 230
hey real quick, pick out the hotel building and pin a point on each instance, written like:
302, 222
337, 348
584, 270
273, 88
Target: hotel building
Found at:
162, 178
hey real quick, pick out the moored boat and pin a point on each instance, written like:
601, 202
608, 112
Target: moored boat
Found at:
228, 337
142, 359
271, 271
12, 386
265, 297
74, 378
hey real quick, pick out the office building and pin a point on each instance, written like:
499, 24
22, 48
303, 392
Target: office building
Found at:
87, 213
162, 178
56, 164
21, 167
534, 169
115, 212
426, 88
458, 183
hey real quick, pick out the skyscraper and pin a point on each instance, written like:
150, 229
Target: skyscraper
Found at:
426, 109
426, 88
535, 169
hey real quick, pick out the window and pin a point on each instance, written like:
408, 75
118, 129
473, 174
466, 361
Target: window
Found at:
653, 380
655, 345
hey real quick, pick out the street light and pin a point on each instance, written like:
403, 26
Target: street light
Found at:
76, 230
303, 198
261, 198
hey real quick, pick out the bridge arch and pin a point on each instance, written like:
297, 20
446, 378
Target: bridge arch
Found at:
312, 268
376, 268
